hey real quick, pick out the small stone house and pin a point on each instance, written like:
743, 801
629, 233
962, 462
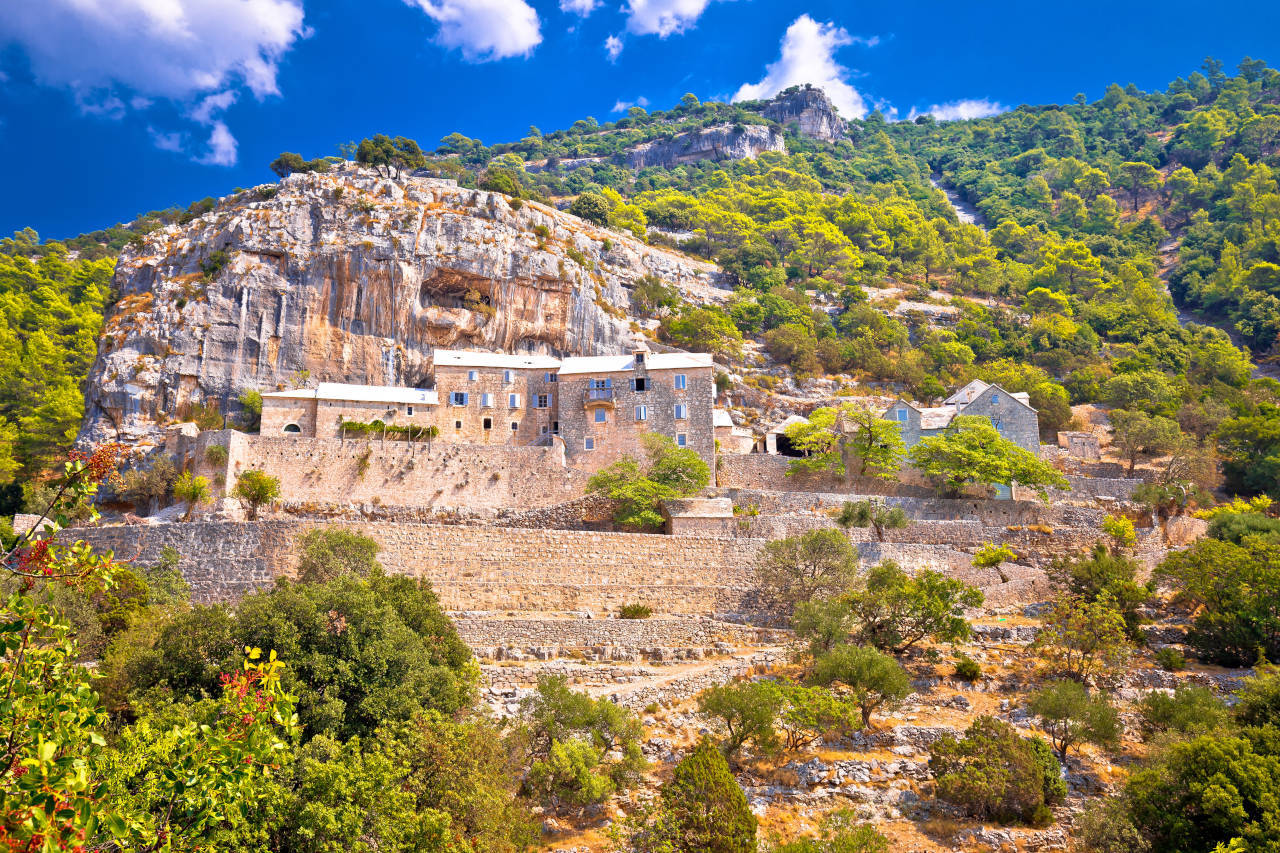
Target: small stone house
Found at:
319, 412
699, 517
1011, 415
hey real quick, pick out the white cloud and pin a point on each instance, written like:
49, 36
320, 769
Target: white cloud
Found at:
222, 147
484, 30
622, 106
121, 55
962, 109
579, 7
808, 56
613, 47
663, 17
161, 48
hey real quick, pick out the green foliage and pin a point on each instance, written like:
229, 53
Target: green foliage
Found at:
1232, 589
994, 773
1189, 710
216, 455
702, 809
747, 711
703, 329
1136, 433
193, 490
1102, 572
289, 162
1170, 659
1121, 531
1083, 639
650, 295
250, 410
873, 446
839, 832
991, 555
635, 611
1235, 527
1259, 703
254, 489
1105, 827
390, 155
327, 553
1212, 792
501, 180
569, 775
971, 452
809, 713
872, 514
874, 679
1071, 716
893, 610
671, 472
817, 564
587, 731
149, 486
967, 669
593, 207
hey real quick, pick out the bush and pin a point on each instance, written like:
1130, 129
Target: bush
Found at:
330, 552
250, 410
1071, 716
558, 715
839, 832
967, 669
1105, 827
568, 775
635, 611
193, 490
894, 611
702, 809
216, 455
1170, 659
1259, 703
1083, 639
994, 773
748, 712
1188, 710
637, 492
874, 679
1100, 572
991, 555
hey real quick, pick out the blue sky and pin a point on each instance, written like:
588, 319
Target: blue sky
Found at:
109, 108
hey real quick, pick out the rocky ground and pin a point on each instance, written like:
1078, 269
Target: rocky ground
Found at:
881, 773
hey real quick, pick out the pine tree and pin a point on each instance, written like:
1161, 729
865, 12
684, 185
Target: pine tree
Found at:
704, 809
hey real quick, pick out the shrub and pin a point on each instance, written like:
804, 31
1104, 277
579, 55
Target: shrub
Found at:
330, 552
1188, 710
817, 564
671, 472
558, 715
1103, 571
824, 622
809, 713
193, 490
1083, 639
874, 515
254, 488
568, 775
894, 610
1071, 716
206, 415
994, 773
748, 712
216, 455
1121, 531
250, 410
874, 679
702, 809
991, 555
1105, 827
1171, 659
967, 669
1260, 698
839, 832
635, 611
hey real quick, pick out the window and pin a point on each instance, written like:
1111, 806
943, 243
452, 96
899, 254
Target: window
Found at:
601, 417
486, 401
900, 415
541, 401
292, 428
543, 431
458, 398
515, 426
550, 377
642, 413
682, 411
589, 444
681, 439
601, 383
995, 399
555, 427
473, 375
513, 401
457, 424
640, 383
682, 381
639, 359
488, 423
508, 376
409, 411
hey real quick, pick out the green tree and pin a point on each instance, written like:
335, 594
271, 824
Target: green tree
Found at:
637, 492
972, 452
250, 410
592, 207
816, 564
557, 714
330, 552
703, 329
747, 711
877, 516
1071, 716
702, 809
1136, 433
254, 489
873, 678
893, 610
1104, 572
1189, 710
288, 163
839, 832
1084, 639
191, 489
1136, 177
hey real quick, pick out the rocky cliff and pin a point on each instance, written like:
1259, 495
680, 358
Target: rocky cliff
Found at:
810, 109
722, 142
352, 277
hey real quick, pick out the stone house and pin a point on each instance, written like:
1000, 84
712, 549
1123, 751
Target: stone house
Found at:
598, 406
1011, 415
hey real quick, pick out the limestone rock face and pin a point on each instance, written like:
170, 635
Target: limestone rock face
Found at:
722, 142
352, 277
811, 110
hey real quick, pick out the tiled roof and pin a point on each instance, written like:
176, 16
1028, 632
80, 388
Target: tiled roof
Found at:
618, 363
360, 394
477, 358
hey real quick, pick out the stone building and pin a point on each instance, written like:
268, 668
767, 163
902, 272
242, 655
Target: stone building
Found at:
599, 406
1011, 415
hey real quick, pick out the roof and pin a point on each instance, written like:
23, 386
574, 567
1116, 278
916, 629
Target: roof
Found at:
968, 392
360, 394
720, 418
782, 425
620, 363
936, 417
477, 358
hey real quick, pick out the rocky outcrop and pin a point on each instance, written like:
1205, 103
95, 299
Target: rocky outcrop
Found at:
348, 276
810, 110
722, 142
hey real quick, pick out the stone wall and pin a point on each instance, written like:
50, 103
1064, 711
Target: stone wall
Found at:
768, 471
399, 473
556, 636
